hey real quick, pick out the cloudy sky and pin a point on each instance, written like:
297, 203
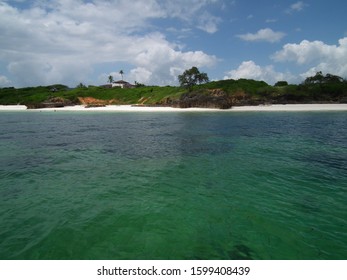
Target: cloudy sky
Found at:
45, 42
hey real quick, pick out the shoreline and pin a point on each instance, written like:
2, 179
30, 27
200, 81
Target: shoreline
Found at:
131, 108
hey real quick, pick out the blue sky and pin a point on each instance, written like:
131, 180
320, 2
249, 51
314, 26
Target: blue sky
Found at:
71, 41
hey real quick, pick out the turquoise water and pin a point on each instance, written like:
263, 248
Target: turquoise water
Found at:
220, 185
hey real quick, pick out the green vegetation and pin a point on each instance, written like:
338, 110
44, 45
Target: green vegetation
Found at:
281, 84
316, 89
110, 79
192, 77
121, 72
139, 95
319, 78
30, 95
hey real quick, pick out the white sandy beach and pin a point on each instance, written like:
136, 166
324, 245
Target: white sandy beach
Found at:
292, 107
130, 108
12, 107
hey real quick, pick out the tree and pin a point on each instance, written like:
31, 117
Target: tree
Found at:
281, 84
316, 79
329, 78
319, 78
138, 84
192, 77
80, 85
121, 72
110, 79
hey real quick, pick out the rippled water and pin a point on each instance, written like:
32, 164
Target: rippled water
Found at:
219, 185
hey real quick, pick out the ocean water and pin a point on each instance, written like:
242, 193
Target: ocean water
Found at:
221, 185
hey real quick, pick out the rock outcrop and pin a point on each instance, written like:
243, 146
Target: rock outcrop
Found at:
54, 102
215, 98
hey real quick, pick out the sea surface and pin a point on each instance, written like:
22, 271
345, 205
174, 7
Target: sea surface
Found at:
212, 185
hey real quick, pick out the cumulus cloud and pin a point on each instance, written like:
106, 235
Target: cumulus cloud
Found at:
250, 70
266, 34
317, 56
312, 56
153, 54
62, 41
46, 71
141, 74
4, 81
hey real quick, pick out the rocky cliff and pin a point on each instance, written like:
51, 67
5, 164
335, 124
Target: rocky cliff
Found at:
215, 98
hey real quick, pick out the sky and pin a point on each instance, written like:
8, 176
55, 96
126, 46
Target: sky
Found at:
153, 41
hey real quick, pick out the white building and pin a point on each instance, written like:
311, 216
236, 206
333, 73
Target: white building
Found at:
122, 84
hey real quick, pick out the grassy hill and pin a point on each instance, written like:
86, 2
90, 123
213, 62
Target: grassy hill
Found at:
238, 92
35, 95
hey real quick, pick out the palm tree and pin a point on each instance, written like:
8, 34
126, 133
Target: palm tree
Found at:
121, 73
110, 79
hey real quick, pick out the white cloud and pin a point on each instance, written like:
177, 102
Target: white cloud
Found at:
49, 71
141, 75
4, 81
317, 56
62, 41
250, 70
296, 7
267, 35
185, 9
305, 52
208, 23
271, 20
154, 54
192, 12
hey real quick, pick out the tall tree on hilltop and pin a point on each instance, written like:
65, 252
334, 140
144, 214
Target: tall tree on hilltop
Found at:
110, 79
319, 78
192, 77
121, 72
